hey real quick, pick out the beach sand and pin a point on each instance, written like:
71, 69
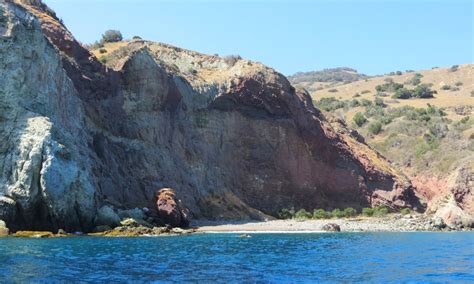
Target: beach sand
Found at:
391, 223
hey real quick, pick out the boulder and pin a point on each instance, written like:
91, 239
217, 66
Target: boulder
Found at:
106, 216
454, 217
130, 222
3, 229
438, 223
331, 227
170, 209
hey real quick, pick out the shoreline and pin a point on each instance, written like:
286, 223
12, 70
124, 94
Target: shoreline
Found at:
389, 223
396, 223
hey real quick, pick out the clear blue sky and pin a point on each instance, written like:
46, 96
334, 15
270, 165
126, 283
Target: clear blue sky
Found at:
372, 36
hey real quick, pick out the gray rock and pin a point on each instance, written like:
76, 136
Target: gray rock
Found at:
331, 227
438, 223
107, 216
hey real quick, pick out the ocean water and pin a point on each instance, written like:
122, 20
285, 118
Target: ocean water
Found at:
348, 257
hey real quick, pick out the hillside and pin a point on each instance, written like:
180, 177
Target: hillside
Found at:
430, 139
331, 77
85, 139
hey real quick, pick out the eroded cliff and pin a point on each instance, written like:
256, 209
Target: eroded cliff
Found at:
234, 139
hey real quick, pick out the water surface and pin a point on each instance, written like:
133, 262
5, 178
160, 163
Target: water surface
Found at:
370, 257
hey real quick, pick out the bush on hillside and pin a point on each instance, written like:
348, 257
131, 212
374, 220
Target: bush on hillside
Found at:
446, 87
454, 68
350, 212
415, 80
321, 214
403, 94
389, 87
458, 83
337, 213
359, 119
303, 214
111, 36
405, 211
232, 59
365, 92
368, 212
423, 92
380, 211
375, 127
379, 102
286, 213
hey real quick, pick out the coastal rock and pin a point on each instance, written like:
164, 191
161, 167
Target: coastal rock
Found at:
130, 222
331, 227
236, 141
106, 216
454, 217
3, 229
170, 210
135, 213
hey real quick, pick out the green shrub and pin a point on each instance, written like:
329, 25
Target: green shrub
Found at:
405, 211
303, 214
415, 80
375, 127
402, 93
286, 213
337, 213
359, 119
103, 59
136, 37
368, 212
381, 211
329, 104
365, 102
350, 212
458, 83
333, 90
399, 73
321, 214
102, 50
379, 102
111, 36
390, 87
365, 92
446, 87
354, 103
423, 92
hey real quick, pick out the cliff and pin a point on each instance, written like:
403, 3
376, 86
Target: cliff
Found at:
235, 140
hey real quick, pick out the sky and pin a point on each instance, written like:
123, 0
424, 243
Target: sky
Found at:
372, 36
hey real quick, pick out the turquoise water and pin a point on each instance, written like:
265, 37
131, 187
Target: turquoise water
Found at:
350, 257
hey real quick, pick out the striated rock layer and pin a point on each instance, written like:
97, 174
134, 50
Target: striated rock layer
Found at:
234, 139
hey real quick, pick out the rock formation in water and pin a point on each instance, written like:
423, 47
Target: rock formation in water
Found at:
234, 139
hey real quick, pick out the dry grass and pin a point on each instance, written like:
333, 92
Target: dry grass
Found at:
438, 77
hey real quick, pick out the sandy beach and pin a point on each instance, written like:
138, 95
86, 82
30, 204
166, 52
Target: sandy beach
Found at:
391, 223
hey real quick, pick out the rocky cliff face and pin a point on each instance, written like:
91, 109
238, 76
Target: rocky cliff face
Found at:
234, 139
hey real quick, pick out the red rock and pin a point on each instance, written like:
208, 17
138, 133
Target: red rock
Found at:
170, 210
